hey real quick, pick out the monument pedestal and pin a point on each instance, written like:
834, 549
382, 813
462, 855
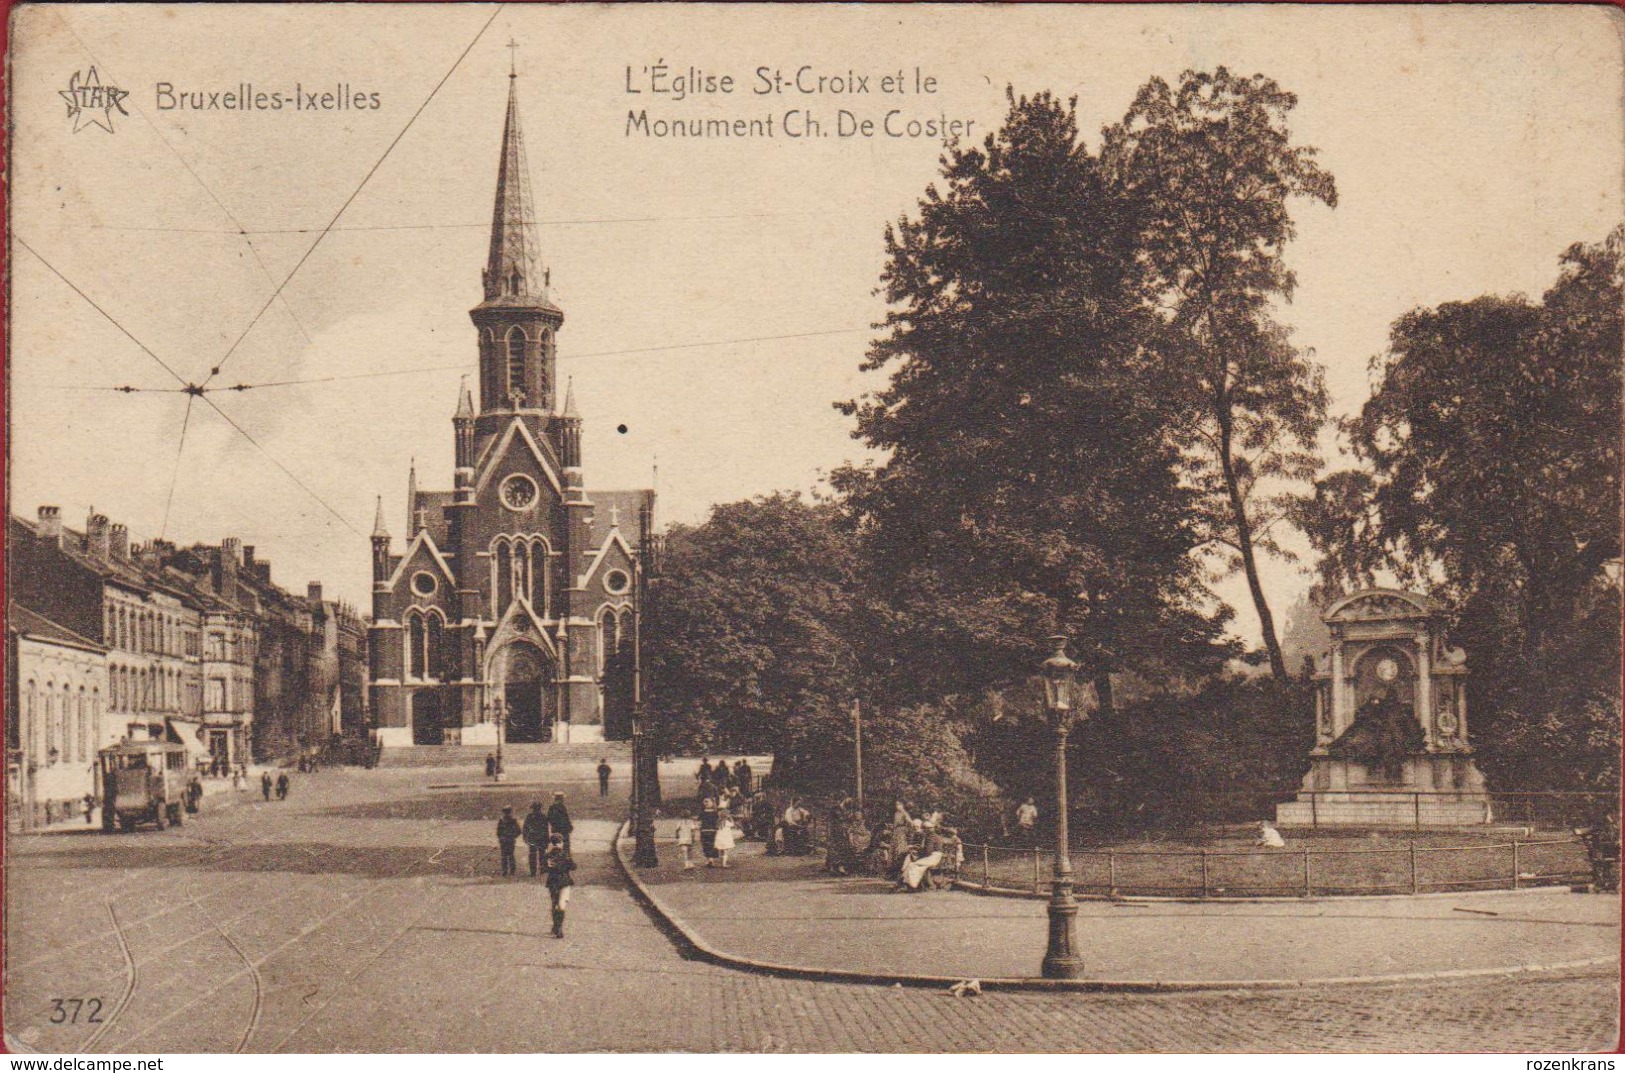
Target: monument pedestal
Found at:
1436, 790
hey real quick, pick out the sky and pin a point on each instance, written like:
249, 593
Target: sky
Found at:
718, 293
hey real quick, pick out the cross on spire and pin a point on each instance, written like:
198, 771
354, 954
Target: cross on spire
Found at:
513, 58
614, 516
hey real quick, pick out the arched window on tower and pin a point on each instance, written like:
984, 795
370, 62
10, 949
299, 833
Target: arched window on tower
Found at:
502, 591
489, 388
414, 645
517, 342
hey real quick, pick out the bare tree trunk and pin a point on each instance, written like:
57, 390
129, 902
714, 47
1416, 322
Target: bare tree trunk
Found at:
1249, 560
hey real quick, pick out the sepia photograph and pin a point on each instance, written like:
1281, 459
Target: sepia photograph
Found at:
738, 528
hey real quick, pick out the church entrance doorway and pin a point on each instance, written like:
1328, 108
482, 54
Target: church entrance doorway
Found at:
426, 725
527, 695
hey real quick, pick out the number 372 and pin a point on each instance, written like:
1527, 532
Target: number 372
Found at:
67, 1011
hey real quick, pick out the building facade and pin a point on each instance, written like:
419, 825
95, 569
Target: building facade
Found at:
195, 645
515, 601
56, 717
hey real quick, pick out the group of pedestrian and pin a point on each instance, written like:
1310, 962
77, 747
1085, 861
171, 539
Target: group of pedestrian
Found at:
715, 780
547, 836
309, 765
921, 849
281, 785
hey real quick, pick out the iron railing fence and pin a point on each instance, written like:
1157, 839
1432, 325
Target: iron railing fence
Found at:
1309, 871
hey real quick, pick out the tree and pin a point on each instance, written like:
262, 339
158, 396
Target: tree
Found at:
749, 644
1492, 450
1028, 487
1212, 165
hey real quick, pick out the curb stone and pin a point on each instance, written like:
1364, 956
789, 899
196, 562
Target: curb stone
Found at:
696, 948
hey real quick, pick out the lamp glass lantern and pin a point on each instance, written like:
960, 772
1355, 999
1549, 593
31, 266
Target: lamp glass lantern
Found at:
1060, 680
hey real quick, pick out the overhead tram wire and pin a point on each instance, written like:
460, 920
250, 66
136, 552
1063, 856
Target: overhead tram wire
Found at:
196, 391
179, 379
221, 205
215, 371
128, 389
175, 473
448, 227
278, 463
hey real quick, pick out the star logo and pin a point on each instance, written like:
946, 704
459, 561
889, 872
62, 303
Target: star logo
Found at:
91, 104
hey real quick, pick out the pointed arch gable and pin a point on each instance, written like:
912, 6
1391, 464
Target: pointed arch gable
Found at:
487, 465
518, 623
612, 540
422, 541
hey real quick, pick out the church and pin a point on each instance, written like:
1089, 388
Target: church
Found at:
515, 604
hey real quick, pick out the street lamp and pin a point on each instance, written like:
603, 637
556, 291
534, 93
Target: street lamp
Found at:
499, 713
1061, 961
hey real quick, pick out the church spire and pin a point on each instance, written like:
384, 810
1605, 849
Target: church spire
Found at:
412, 498
379, 529
513, 269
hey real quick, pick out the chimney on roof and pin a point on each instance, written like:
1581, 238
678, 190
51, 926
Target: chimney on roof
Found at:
262, 570
97, 536
50, 524
248, 558
313, 592
119, 541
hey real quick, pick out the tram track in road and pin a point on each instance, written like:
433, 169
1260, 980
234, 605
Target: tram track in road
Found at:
254, 965
131, 976
56, 953
253, 975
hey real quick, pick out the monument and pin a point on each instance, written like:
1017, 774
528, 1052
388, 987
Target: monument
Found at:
1390, 722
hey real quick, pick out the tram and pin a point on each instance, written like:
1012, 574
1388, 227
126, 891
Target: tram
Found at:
142, 782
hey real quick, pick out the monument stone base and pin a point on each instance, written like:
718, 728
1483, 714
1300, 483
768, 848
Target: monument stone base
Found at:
1434, 790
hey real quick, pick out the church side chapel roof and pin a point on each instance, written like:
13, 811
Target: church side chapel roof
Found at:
432, 505
622, 506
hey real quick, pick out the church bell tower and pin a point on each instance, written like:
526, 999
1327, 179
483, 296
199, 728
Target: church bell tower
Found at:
517, 321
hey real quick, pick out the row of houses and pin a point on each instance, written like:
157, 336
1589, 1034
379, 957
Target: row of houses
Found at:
108, 640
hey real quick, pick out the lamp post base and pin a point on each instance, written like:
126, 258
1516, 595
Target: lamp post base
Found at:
1061, 961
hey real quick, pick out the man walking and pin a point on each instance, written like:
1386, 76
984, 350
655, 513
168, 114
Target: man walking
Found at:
265, 785
535, 832
507, 835
282, 784
1027, 823
558, 820
603, 776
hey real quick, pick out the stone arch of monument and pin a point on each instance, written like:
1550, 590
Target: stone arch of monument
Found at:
1389, 659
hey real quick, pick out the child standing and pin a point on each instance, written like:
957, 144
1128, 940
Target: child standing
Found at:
685, 842
725, 839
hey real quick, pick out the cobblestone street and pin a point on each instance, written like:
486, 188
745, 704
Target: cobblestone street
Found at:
365, 914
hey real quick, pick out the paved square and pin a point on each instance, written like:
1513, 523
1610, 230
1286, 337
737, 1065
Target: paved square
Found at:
365, 914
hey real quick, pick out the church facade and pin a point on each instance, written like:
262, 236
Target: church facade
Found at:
515, 602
